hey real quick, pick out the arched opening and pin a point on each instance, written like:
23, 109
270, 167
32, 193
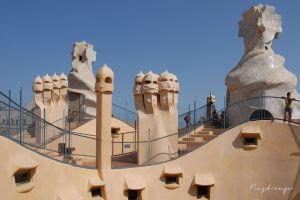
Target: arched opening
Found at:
261, 115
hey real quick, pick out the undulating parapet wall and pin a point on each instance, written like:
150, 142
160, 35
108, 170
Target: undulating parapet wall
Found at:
156, 100
260, 72
82, 80
222, 167
50, 97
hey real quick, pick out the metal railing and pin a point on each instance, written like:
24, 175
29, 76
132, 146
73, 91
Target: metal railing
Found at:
59, 143
124, 114
53, 140
257, 108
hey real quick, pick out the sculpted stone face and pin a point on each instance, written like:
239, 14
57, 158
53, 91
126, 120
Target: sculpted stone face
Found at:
56, 82
260, 25
81, 75
137, 90
176, 83
38, 84
166, 82
82, 52
104, 80
90, 53
48, 84
211, 99
48, 87
150, 83
63, 81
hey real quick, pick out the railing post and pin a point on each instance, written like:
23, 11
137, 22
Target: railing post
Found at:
32, 122
112, 145
225, 112
194, 114
44, 129
126, 112
65, 135
148, 147
9, 102
122, 143
135, 138
260, 112
69, 138
20, 117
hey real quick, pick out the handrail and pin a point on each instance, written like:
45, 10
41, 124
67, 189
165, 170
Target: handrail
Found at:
199, 108
225, 128
124, 121
130, 111
89, 136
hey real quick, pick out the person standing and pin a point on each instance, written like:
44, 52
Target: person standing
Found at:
288, 106
187, 120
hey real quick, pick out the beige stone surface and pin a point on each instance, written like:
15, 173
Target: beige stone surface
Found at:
205, 179
22, 161
67, 193
173, 170
134, 182
87, 146
234, 170
252, 131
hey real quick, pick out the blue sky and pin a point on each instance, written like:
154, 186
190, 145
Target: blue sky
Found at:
196, 40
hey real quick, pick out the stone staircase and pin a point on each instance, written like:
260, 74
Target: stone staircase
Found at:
197, 138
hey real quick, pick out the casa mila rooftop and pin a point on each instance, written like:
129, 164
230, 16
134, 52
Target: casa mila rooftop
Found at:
74, 143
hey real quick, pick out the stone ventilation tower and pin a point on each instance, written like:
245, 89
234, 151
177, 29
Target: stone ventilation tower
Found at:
260, 72
64, 93
47, 94
104, 88
56, 89
156, 100
50, 98
39, 107
82, 97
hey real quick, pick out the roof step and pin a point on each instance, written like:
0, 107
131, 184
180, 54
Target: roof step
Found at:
205, 133
204, 136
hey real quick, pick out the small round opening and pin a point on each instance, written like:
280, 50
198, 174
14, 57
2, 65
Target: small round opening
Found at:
108, 80
266, 48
